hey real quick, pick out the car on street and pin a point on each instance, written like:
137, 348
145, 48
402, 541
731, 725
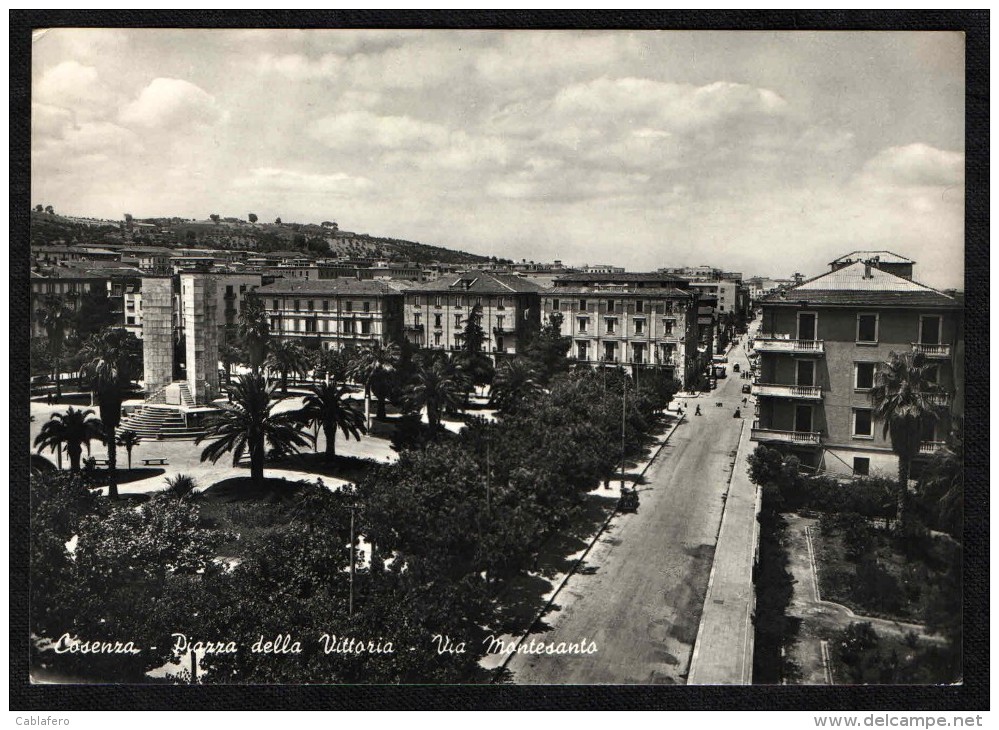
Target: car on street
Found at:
747, 388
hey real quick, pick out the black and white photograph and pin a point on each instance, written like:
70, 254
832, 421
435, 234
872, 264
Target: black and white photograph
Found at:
496, 357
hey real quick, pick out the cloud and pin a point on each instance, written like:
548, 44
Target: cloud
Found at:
917, 165
71, 85
297, 66
171, 103
270, 180
362, 129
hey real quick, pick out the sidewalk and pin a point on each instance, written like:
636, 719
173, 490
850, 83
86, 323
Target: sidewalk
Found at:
723, 652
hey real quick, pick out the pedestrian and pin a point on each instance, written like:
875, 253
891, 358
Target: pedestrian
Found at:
738, 413
743, 401
697, 411
48, 397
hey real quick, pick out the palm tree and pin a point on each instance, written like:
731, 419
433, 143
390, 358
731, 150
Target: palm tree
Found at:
73, 429
129, 439
327, 406
436, 386
903, 403
333, 365
287, 356
111, 365
514, 383
372, 366
53, 316
252, 329
246, 424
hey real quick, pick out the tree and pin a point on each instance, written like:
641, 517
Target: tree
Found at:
49, 210
277, 221
436, 386
328, 406
111, 364
903, 404
548, 349
515, 383
373, 366
73, 430
334, 365
942, 484
94, 313
253, 331
246, 425
39, 208
129, 439
215, 218
287, 356
252, 217
54, 316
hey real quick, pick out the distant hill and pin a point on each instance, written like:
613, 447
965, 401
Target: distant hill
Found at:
51, 228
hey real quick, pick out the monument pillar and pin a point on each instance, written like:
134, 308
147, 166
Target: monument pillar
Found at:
157, 332
200, 310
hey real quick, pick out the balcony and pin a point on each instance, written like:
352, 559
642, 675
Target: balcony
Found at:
770, 435
801, 392
939, 399
931, 447
790, 347
504, 330
413, 328
933, 351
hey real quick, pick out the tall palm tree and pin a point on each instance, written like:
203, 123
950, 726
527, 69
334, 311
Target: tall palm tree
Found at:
436, 386
129, 439
515, 382
73, 430
246, 424
903, 404
54, 316
373, 365
111, 365
253, 331
328, 407
287, 356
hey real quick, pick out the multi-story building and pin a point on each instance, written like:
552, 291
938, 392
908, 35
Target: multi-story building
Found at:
640, 321
819, 346
436, 311
333, 313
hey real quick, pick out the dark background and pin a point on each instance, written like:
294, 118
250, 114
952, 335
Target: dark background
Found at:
972, 695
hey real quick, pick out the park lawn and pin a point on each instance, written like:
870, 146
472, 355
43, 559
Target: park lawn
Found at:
898, 587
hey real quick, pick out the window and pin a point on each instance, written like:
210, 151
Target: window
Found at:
582, 322
864, 375
867, 328
298, 305
478, 301
638, 352
437, 338
582, 351
933, 373
502, 303
929, 330
129, 320
326, 325
639, 306
611, 323
610, 349
326, 305
437, 321
610, 306
437, 301
667, 326
555, 304
312, 305
639, 326
275, 303
861, 466
457, 320
805, 372
348, 306
365, 327
310, 325
499, 321
457, 301
367, 306
582, 305
416, 319
863, 423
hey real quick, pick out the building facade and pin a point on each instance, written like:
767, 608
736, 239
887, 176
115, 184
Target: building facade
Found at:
638, 321
333, 313
436, 311
819, 346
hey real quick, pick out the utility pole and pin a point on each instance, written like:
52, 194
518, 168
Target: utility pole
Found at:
488, 481
624, 409
350, 605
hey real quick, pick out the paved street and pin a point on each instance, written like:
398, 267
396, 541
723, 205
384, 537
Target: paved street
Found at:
640, 594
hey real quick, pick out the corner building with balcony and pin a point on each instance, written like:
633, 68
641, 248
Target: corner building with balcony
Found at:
638, 321
436, 311
819, 346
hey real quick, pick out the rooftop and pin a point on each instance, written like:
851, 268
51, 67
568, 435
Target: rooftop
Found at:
624, 277
600, 291
329, 287
886, 257
854, 284
477, 282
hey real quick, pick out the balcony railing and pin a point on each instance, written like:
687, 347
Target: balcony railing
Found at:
806, 392
775, 344
931, 447
806, 438
931, 350
939, 399
503, 330
414, 328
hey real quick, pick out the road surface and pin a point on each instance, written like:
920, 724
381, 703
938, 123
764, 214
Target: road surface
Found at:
640, 593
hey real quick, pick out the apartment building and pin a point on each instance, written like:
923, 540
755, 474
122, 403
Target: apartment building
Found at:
639, 321
819, 346
436, 311
333, 313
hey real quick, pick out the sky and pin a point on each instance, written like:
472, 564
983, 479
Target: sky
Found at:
761, 152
